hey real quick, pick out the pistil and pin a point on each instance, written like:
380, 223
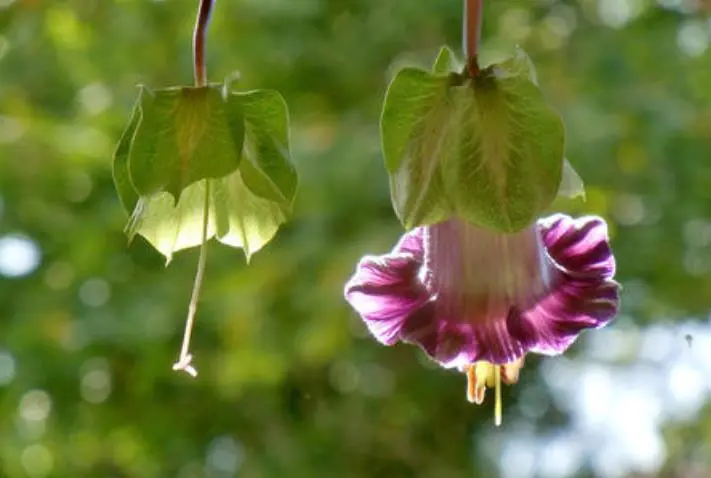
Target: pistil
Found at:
497, 392
483, 374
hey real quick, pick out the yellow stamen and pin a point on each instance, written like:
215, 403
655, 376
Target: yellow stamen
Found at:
484, 374
471, 384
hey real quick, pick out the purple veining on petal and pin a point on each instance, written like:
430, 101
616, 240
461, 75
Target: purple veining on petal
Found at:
456, 344
385, 290
466, 294
584, 297
579, 246
411, 242
476, 277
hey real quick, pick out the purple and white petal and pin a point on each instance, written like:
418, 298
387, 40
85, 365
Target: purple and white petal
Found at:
411, 242
385, 291
476, 276
466, 294
583, 295
578, 246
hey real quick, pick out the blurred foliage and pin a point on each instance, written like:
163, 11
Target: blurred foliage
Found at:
290, 385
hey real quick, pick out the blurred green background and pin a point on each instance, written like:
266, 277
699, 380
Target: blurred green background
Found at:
290, 384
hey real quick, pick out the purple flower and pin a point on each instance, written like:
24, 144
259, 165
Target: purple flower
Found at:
479, 300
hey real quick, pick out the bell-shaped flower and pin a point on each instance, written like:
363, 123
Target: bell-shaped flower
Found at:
479, 300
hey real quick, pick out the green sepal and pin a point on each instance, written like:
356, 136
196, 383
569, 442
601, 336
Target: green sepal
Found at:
415, 104
183, 135
571, 184
246, 205
173, 227
272, 175
125, 189
446, 62
487, 149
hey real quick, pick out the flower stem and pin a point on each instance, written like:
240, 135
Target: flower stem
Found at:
199, 34
473, 14
184, 362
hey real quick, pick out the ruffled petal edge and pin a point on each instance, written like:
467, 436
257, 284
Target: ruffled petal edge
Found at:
583, 295
386, 291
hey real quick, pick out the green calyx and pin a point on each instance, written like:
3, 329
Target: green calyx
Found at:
488, 149
180, 139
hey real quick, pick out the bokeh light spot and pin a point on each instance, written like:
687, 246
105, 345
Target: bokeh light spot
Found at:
224, 456
10, 129
7, 367
79, 187
95, 98
518, 457
4, 45
35, 406
617, 13
344, 376
37, 460
19, 256
95, 292
96, 381
693, 38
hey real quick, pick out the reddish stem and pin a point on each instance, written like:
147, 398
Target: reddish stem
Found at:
473, 14
199, 34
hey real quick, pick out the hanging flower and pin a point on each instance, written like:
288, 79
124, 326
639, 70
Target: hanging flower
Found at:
479, 300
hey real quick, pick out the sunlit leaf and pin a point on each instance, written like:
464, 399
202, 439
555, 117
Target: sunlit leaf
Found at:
415, 105
487, 149
124, 188
510, 152
266, 146
446, 62
571, 184
254, 223
184, 135
237, 217
518, 65
246, 204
